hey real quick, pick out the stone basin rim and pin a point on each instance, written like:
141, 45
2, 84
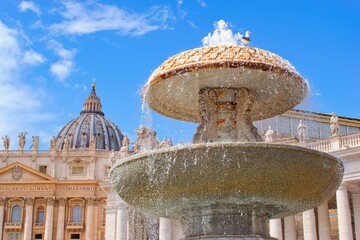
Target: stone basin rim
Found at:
279, 209
139, 156
188, 68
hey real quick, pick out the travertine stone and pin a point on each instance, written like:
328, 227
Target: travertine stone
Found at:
250, 172
61, 219
225, 116
324, 222
276, 228
49, 218
28, 218
344, 214
309, 225
290, 228
173, 88
164, 229
356, 206
2, 208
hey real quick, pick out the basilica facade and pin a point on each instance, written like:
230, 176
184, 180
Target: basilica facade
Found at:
64, 193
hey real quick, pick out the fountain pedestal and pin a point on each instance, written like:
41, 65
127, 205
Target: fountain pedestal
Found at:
225, 116
227, 221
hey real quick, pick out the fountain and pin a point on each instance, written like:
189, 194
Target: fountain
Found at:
228, 183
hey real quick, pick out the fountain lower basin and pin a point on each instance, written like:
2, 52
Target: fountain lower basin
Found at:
233, 184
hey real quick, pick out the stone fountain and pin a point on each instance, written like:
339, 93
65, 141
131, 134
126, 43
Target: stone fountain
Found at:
228, 183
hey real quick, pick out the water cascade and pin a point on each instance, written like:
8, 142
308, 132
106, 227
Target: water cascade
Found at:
228, 183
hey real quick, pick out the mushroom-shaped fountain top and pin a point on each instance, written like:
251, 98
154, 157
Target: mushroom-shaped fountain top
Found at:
172, 90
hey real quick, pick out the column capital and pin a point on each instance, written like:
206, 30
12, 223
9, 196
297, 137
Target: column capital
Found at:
2, 201
29, 201
61, 201
91, 201
49, 201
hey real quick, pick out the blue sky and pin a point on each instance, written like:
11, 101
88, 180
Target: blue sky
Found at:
50, 51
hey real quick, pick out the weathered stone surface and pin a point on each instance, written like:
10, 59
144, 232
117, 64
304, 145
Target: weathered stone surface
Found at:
173, 88
285, 179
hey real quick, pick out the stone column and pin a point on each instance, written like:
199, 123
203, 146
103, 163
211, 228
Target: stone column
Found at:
110, 233
165, 229
344, 215
49, 218
356, 206
276, 228
2, 208
61, 219
89, 223
324, 222
96, 219
290, 228
309, 224
29, 208
121, 222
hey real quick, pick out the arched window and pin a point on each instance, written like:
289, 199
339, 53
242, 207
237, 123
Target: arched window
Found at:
76, 214
15, 214
40, 215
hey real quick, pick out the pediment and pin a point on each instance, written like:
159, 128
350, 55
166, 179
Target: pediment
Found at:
18, 172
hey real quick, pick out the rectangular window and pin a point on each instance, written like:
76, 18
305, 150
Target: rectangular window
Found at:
38, 236
75, 236
77, 170
43, 168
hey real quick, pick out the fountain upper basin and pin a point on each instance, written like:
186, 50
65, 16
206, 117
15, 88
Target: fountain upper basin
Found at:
281, 179
172, 89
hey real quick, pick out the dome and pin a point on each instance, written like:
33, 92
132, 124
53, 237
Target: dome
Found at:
91, 129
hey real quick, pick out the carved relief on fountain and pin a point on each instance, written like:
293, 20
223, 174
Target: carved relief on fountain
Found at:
225, 116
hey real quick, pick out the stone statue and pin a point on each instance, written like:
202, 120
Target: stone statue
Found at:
165, 143
125, 144
146, 139
66, 143
52, 143
35, 142
6, 142
302, 131
269, 135
93, 143
334, 125
22, 140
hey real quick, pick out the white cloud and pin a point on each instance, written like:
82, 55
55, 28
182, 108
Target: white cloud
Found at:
192, 24
62, 69
65, 66
85, 18
33, 58
20, 103
29, 5
180, 2
202, 3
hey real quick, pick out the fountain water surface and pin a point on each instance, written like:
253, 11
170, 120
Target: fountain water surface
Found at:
228, 184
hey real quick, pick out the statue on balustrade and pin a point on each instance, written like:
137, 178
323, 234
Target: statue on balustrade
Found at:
6, 142
52, 143
269, 135
302, 131
22, 140
334, 125
35, 142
